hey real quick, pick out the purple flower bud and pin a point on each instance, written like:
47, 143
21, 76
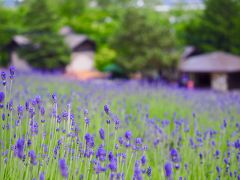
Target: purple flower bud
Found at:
110, 156
225, 123
143, 160
191, 143
102, 134
85, 112
168, 169
29, 142
42, 111
218, 169
42, 176
19, 151
217, 153
149, 171
89, 140
237, 144
113, 165
12, 70
63, 168
137, 172
3, 75
117, 123
138, 141
101, 153
226, 161
54, 97
108, 121
87, 121
106, 109
27, 105
112, 176
3, 117
156, 142
174, 155
121, 140
98, 168
127, 144
177, 166
32, 156
128, 135
10, 105
38, 99
2, 97
34, 103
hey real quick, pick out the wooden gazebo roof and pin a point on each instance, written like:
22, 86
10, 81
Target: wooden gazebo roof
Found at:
211, 62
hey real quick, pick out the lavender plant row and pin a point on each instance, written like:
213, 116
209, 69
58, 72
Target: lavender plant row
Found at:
55, 128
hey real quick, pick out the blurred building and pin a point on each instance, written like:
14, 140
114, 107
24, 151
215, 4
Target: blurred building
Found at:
17, 42
83, 49
82, 56
216, 70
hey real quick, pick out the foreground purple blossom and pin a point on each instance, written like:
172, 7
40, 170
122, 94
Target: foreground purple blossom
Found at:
19, 148
106, 109
102, 134
2, 97
63, 168
32, 156
128, 135
49, 136
168, 169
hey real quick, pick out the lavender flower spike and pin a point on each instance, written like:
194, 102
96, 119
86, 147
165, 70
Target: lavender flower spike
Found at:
63, 168
168, 169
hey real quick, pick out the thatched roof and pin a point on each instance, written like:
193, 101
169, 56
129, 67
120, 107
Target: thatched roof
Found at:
211, 62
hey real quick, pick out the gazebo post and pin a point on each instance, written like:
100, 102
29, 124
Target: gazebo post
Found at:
219, 81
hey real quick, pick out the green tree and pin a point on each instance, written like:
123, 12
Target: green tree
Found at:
68, 9
10, 24
217, 28
100, 25
144, 42
47, 49
104, 57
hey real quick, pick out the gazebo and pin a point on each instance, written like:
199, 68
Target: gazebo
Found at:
216, 70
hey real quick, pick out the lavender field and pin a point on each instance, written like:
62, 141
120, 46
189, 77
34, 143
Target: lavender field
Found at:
55, 128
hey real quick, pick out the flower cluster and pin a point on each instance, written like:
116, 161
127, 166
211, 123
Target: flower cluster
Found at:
87, 132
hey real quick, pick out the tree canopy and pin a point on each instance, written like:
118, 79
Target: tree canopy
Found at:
47, 49
146, 44
217, 28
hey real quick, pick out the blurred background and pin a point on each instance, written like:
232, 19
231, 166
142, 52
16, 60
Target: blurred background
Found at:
188, 42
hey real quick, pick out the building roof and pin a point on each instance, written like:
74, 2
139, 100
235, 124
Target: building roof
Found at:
211, 62
189, 52
21, 40
72, 39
